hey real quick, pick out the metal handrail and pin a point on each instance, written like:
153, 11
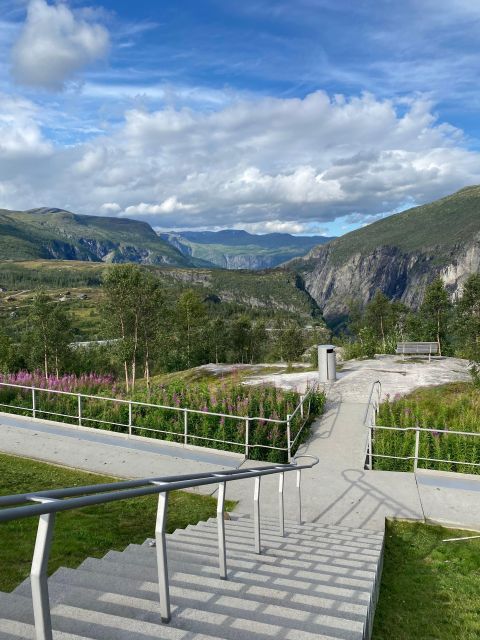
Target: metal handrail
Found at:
54, 501
79, 418
416, 457
372, 426
370, 412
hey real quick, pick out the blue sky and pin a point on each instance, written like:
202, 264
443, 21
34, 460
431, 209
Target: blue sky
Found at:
310, 116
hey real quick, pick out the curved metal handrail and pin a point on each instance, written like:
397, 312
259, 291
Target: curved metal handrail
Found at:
376, 385
52, 501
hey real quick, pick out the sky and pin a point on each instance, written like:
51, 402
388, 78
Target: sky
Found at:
304, 116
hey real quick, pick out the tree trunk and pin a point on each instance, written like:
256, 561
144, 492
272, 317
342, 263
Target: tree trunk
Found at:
438, 334
383, 335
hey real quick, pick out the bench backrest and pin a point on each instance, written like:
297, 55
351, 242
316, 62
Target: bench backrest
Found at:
417, 347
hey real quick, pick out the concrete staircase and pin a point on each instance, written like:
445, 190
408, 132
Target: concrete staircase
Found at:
318, 582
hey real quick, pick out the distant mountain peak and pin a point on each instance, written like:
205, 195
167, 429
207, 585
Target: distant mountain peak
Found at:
239, 249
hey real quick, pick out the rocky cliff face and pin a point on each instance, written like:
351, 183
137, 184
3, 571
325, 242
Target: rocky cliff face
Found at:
399, 274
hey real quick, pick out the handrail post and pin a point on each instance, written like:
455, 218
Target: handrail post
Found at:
256, 514
222, 553
129, 417
162, 564
38, 577
34, 407
302, 398
79, 410
247, 437
281, 512
370, 445
417, 448
289, 438
299, 491
185, 426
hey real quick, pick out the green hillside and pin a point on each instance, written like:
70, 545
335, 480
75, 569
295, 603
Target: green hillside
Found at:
438, 226
54, 233
261, 294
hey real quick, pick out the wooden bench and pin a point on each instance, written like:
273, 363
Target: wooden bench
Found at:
418, 349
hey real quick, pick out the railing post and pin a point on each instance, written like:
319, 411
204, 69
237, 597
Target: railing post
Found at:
162, 564
281, 513
417, 448
185, 426
302, 398
299, 491
370, 445
289, 438
79, 410
256, 514
129, 417
38, 577
34, 407
222, 553
247, 437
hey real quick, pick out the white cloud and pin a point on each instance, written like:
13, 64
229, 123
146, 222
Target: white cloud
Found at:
20, 133
276, 226
170, 205
271, 162
110, 208
54, 45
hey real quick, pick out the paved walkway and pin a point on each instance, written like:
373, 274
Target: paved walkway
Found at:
340, 491
105, 452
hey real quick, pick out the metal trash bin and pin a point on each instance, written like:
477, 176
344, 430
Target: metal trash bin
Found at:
327, 363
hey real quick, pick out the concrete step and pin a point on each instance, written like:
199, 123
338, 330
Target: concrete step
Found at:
324, 621
300, 560
288, 542
302, 533
308, 582
190, 543
247, 527
327, 600
317, 526
317, 582
208, 539
71, 621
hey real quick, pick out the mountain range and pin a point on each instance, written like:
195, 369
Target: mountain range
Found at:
237, 249
57, 234
400, 255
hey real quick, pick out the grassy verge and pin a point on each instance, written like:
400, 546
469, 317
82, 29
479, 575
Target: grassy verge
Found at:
84, 532
430, 589
451, 407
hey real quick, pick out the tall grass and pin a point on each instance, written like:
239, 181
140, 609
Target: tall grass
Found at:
451, 407
229, 398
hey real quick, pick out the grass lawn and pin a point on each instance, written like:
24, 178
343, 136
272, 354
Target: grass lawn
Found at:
91, 531
430, 589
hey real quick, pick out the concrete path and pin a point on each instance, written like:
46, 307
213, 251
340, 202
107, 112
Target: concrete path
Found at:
340, 491
106, 452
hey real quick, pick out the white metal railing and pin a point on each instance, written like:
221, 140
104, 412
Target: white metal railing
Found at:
81, 419
370, 422
51, 502
371, 412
